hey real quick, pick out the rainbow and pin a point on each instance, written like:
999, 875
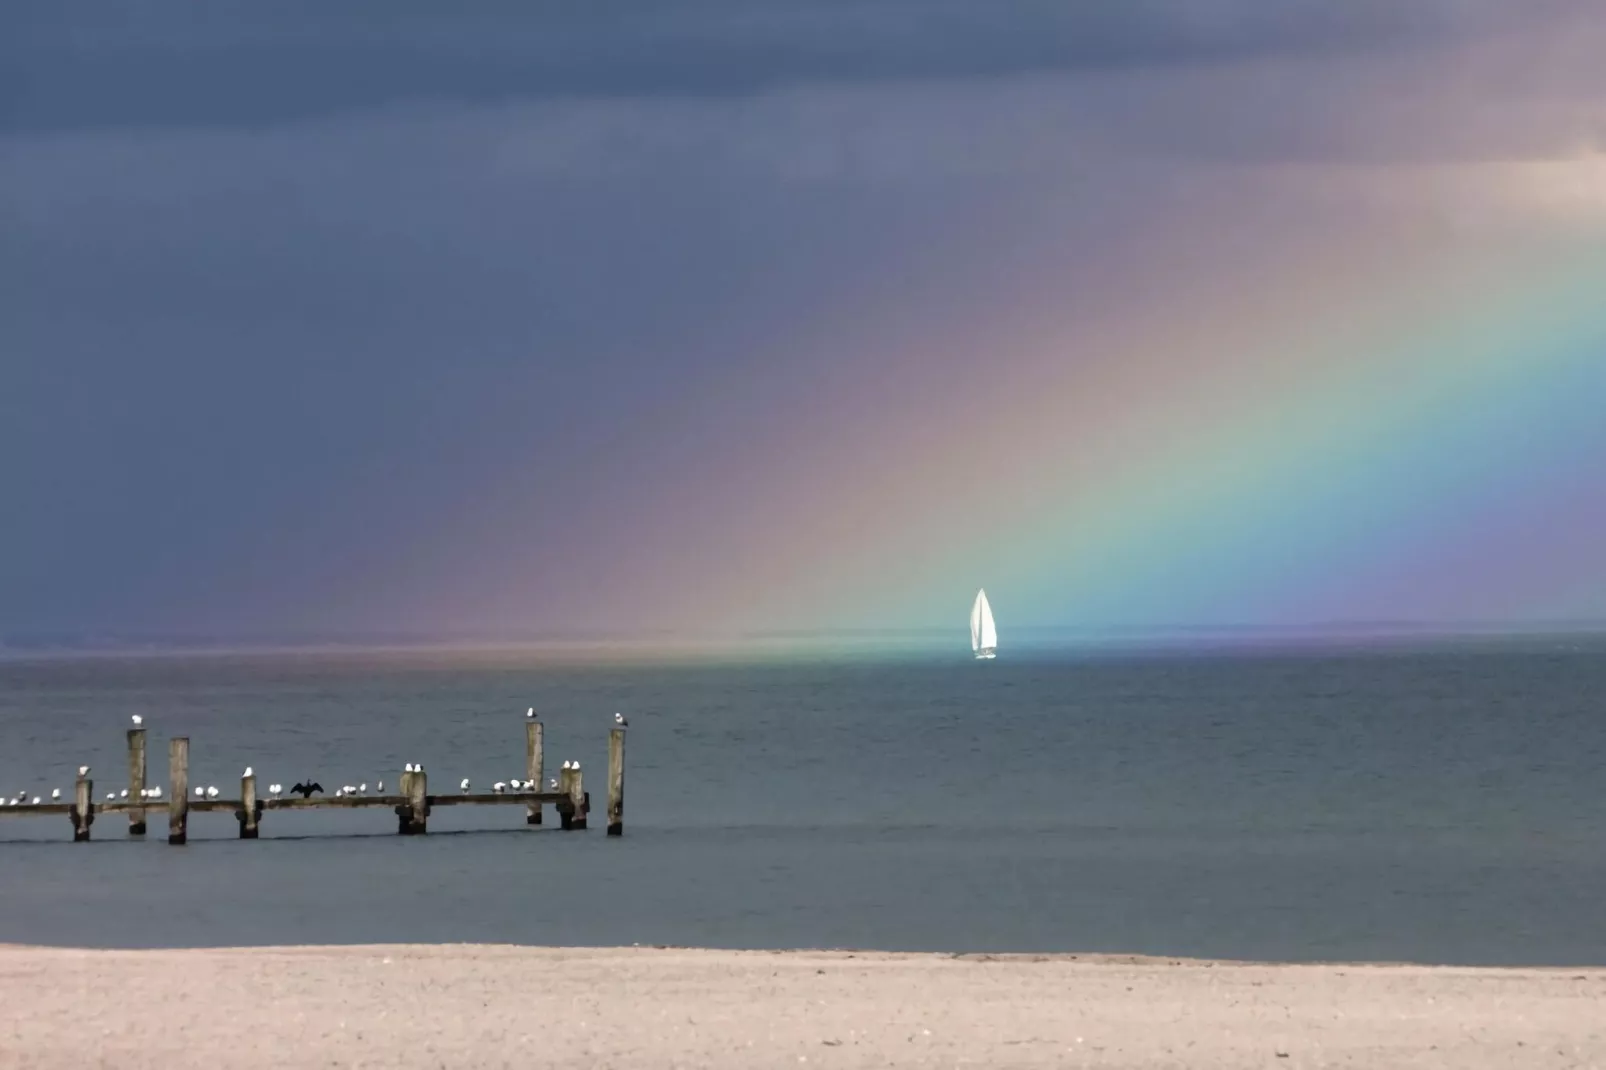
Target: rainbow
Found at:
1357, 431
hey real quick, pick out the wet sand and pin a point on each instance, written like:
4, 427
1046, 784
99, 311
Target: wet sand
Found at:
492, 1006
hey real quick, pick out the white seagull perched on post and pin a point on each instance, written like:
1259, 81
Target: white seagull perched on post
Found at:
464, 785
36, 800
83, 770
123, 794
156, 792
530, 713
211, 792
55, 793
619, 719
200, 793
576, 765
138, 720
248, 772
380, 787
499, 787
567, 764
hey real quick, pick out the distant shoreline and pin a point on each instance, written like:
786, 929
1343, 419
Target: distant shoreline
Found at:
411, 1006
1020, 643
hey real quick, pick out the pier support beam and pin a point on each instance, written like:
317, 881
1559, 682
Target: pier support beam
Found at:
417, 803
577, 799
178, 782
616, 782
533, 760
83, 809
136, 780
565, 808
250, 810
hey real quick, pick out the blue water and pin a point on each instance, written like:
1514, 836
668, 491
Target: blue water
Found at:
1442, 805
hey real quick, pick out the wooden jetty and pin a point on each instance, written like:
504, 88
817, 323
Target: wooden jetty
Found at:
412, 804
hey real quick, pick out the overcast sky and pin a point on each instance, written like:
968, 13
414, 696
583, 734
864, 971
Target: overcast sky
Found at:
333, 318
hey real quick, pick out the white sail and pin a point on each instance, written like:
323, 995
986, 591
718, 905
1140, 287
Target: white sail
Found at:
983, 632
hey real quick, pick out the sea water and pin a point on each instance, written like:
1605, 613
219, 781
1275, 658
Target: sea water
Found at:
1443, 804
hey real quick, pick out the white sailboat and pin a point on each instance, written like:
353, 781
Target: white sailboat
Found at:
983, 633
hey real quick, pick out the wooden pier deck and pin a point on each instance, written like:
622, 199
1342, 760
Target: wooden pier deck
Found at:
412, 805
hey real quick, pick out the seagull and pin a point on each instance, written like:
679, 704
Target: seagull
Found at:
273, 790
123, 794
138, 720
156, 792
340, 793
464, 785
36, 800
248, 772
576, 765
83, 770
530, 712
619, 719
515, 784
408, 768
111, 796
553, 783
211, 792
200, 793
498, 787
55, 793
567, 764
380, 787
362, 789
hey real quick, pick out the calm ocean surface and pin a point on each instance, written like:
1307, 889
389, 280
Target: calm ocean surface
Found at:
1444, 805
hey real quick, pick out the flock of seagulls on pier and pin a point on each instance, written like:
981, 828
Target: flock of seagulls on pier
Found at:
306, 789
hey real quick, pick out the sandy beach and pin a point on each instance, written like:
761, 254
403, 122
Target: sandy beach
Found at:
494, 1006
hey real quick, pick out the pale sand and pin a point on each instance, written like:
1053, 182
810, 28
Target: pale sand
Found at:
467, 1006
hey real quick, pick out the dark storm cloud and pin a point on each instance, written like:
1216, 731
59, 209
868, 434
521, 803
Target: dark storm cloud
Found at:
231, 63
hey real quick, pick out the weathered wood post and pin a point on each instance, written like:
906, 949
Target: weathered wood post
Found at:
83, 809
577, 798
565, 808
533, 760
418, 802
404, 810
178, 782
136, 780
249, 810
616, 782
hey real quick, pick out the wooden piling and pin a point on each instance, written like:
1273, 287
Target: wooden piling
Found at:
533, 760
136, 780
577, 799
566, 807
83, 809
178, 783
616, 782
404, 810
250, 811
418, 803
